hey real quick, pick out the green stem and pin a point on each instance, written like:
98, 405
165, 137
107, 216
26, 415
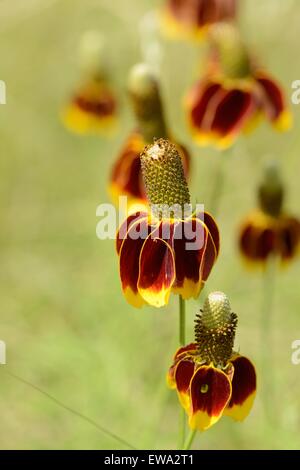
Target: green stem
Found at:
189, 440
182, 418
268, 286
181, 321
218, 183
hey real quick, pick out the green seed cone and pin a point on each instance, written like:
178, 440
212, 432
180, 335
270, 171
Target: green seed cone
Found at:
231, 50
146, 101
271, 191
164, 178
215, 329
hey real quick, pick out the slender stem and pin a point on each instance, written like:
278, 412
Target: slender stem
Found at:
181, 321
182, 417
218, 183
189, 440
268, 286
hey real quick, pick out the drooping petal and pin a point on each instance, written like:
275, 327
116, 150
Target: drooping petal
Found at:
273, 102
184, 372
243, 389
92, 109
288, 238
126, 178
181, 353
191, 18
257, 240
130, 260
231, 115
210, 391
122, 232
202, 102
185, 350
195, 254
157, 267
212, 227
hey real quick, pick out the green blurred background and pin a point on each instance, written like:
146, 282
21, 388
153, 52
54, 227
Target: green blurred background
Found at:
66, 324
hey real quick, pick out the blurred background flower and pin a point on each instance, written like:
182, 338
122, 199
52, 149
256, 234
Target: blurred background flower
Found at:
92, 108
192, 18
234, 93
270, 231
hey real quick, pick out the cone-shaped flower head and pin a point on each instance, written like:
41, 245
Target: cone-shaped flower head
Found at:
210, 378
126, 178
164, 178
168, 248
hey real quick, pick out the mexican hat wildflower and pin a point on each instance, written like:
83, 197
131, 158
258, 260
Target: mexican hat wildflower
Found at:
269, 231
234, 94
92, 107
126, 175
192, 18
164, 249
212, 380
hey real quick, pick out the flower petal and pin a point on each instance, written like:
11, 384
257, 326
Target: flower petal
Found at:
195, 254
274, 103
124, 227
210, 391
184, 372
181, 353
92, 109
157, 268
185, 350
126, 177
212, 227
288, 237
231, 115
129, 260
243, 389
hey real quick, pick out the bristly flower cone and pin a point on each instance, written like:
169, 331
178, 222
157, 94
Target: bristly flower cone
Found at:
164, 179
215, 327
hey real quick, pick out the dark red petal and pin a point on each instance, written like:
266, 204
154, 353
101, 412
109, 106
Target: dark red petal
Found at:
157, 268
289, 237
273, 99
210, 391
243, 388
257, 243
122, 232
126, 172
200, 98
209, 258
183, 375
192, 347
213, 229
198, 13
129, 259
187, 235
232, 112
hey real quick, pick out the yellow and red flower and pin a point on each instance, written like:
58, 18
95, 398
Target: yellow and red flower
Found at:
193, 18
263, 236
269, 231
92, 109
211, 379
162, 251
126, 177
233, 96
